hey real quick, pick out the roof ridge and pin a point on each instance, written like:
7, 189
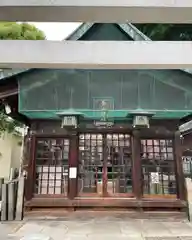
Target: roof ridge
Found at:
134, 32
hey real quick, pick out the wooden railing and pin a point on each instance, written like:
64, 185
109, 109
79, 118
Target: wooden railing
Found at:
12, 199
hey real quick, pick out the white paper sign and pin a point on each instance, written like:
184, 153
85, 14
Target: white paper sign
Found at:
72, 172
154, 177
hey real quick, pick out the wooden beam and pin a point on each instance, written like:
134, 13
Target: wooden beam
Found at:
73, 166
95, 54
8, 93
185, 127
31, 169
149, 11
181, 187
110, 202
136, 163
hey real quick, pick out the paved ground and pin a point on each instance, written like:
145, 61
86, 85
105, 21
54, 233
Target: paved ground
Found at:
99, 228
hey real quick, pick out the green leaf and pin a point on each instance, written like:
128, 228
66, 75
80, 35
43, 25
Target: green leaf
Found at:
16, 31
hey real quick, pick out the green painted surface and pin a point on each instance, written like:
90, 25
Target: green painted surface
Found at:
116, 114
105, 32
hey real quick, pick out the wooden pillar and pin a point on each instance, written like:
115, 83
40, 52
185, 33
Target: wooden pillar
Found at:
1, 184
20, 199
4, 202
181, 187
73, 166
30, 180
11, 201
104, 171
136, 161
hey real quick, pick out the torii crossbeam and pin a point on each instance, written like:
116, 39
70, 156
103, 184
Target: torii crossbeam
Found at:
119, 11
95, 55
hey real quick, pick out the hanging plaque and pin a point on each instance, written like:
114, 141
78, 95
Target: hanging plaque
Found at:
103, 124
104, 105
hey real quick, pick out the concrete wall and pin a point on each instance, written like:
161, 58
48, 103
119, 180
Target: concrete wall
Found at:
10, 153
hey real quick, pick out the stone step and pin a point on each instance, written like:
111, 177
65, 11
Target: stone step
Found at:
42, 214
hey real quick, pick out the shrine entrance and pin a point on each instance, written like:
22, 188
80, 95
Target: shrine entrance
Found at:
105, 165
114, 168
108, 164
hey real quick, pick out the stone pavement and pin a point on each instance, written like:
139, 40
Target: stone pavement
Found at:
98, 228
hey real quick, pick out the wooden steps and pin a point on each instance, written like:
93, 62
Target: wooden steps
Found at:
106, 214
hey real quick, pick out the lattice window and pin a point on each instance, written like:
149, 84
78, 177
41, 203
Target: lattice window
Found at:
90, 162
158, 166
105, 163
52, 166
119, 164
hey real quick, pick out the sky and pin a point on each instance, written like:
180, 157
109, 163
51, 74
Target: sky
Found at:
56, 31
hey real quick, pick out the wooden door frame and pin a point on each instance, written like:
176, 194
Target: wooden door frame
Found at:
104, 132
180, 178
31, 169
136, 137
104, 168
105, 192
29, 183
136, 163
178, 166
73, 163
104, 186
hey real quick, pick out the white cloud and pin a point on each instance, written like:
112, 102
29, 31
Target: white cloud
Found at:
56, 31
